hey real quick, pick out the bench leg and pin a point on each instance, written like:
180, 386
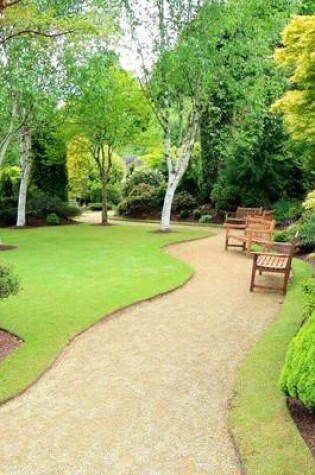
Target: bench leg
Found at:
286, 282
252, 282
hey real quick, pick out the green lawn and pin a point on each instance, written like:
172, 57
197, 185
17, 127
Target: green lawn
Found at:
72, 276
268, 440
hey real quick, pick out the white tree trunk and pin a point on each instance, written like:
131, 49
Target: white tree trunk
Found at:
176, 170
26, 156
4, 145
168, 201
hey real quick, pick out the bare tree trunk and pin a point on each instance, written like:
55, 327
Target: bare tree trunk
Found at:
26, 156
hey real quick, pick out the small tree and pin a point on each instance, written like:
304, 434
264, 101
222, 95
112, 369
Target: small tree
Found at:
108, 109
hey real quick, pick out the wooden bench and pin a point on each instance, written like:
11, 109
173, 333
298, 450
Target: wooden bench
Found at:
239, 217
257, 231
275, 263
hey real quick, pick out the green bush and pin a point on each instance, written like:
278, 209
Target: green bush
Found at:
298, 375
197, 214
286, 235
145, 176
39, 204
309, 296
142, 200
307, 233
288, 211
205, 219
9, 283
95, 206
184, 214
52, 219
8, 211
183, 201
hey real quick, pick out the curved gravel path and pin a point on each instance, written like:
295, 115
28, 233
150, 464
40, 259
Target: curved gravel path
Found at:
146, 392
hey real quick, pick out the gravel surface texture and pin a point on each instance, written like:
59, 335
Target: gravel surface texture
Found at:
146, 391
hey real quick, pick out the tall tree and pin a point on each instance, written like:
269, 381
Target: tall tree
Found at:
182, 48
108, 109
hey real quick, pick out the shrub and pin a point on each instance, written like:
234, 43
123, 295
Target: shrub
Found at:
298, 375
307, 234
145, 176
197, 214
309, 296
52, 219
183, 201
286, 235
143, 199
184, 214
205, 219
9, 283
8, 211
40, 205
288, 211
95, 206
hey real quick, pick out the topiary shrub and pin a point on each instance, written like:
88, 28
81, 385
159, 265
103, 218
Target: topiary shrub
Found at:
205, 219
9, 283
298, 375
52, 219
183, 201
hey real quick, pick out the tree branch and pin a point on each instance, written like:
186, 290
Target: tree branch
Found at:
35, 32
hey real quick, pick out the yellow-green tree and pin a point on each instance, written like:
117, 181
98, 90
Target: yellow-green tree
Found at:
297, 58
80, 165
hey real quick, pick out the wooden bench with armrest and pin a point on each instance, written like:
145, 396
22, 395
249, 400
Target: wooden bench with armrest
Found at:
239, 217
274, 263
257, 231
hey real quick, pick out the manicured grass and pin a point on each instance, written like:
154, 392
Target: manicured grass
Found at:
268, 439
72, 276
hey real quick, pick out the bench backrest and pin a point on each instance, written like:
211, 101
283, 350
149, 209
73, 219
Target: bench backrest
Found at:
269, 214
244, 212
260, 228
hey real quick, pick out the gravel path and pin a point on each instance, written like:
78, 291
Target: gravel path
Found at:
146, 392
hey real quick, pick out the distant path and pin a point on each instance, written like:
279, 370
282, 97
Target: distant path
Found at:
146, 392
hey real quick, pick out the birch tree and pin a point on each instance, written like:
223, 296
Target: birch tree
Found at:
175, 65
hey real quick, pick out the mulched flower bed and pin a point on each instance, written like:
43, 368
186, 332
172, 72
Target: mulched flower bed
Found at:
8, 344
6, 248
305, 422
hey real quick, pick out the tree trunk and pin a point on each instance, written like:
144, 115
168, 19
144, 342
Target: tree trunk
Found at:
176, 170
168, 201
11, 131
104, 198
26, 143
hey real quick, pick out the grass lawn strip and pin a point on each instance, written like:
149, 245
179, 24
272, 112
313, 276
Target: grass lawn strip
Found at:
267, 438
71, 277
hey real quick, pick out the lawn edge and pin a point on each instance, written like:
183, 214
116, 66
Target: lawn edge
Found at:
243, 433
107, 317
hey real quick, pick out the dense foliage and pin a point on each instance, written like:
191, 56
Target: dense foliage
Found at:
9, 283
298, 376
